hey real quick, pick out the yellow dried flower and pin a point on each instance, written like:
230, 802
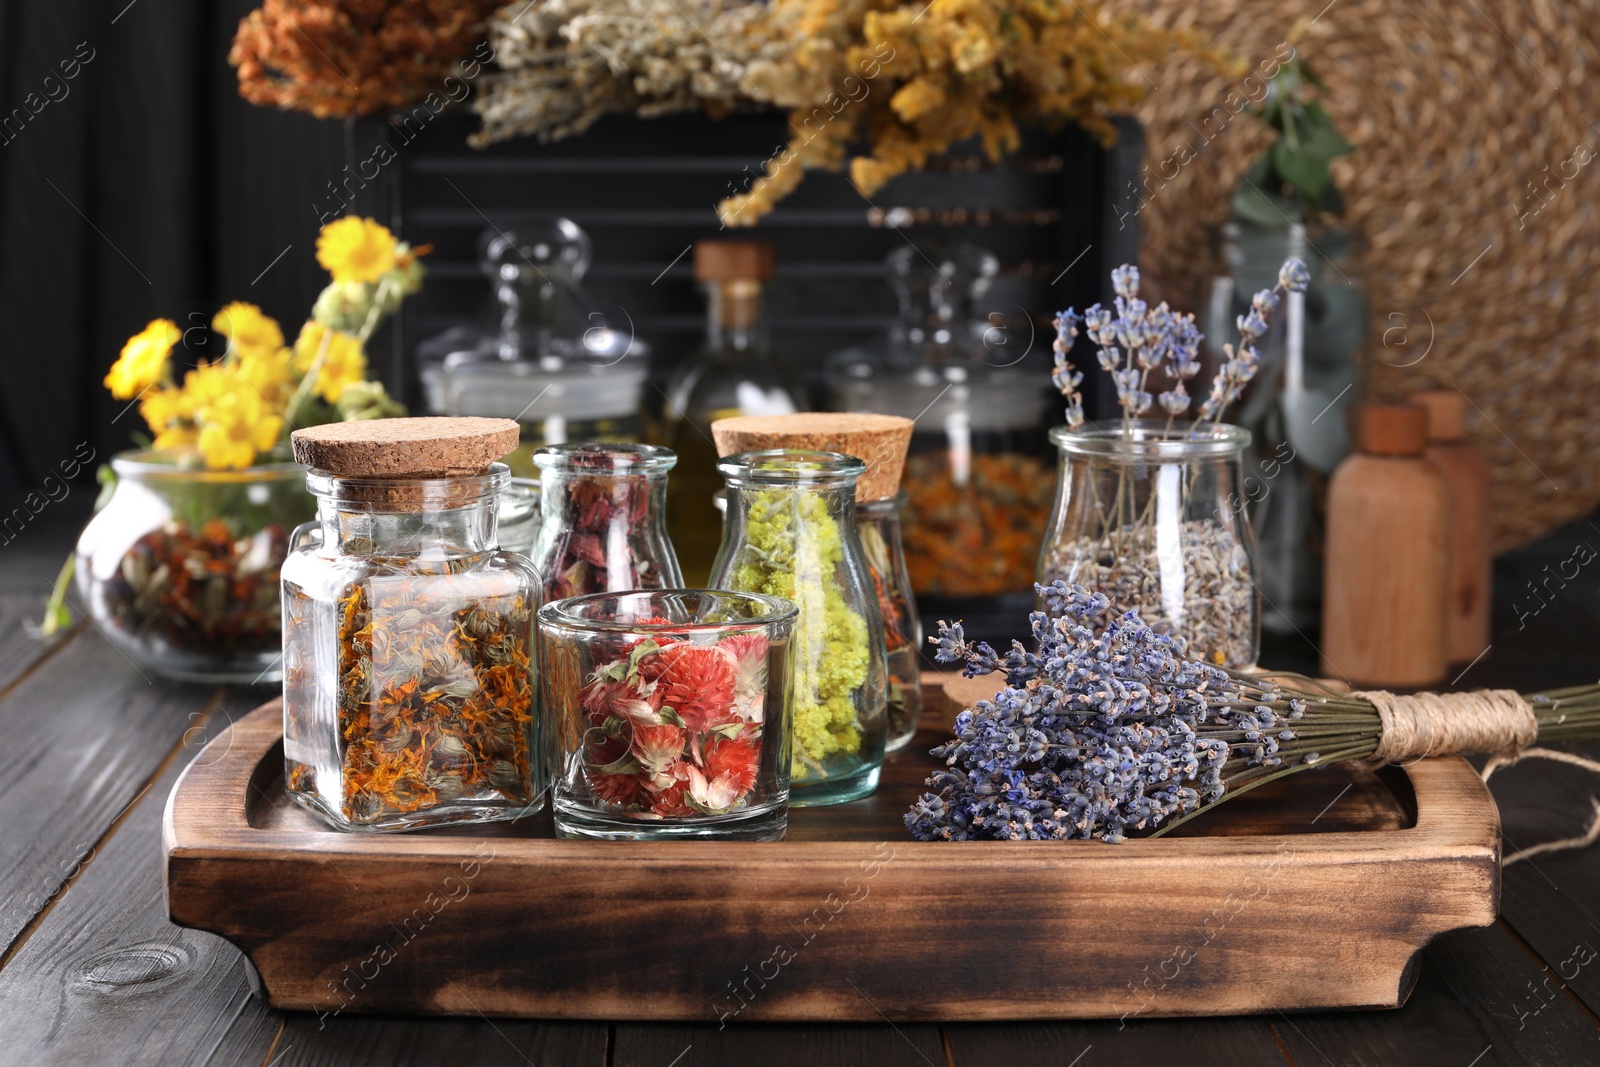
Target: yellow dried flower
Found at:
354, 249
343, 364
143, 361
269, 372
235, 427
162, 408
248, 328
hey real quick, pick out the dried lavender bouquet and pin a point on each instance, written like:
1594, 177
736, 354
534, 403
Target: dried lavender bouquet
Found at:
1110, 729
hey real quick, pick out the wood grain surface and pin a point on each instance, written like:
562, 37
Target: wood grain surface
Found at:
1472, 1003
516, 923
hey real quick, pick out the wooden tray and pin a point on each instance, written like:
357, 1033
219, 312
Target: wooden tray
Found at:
1315, 893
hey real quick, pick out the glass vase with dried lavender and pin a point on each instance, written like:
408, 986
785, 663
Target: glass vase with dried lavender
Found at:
668, 714
1146, 508
408, 696
1111, 728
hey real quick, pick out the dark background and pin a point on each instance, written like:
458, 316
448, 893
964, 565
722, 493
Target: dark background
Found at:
152, 190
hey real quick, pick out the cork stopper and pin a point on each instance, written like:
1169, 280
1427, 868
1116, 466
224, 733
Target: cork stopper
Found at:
724, 261
1447, 413
405, 448
1392, 429
879, 441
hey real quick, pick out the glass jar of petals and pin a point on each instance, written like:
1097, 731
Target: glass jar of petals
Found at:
668, 714
408, 690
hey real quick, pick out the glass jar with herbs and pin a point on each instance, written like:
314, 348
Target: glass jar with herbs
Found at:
878, 525
604, 528
668, 714
408, 697
791, 532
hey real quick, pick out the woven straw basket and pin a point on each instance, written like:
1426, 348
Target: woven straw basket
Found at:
1454, 110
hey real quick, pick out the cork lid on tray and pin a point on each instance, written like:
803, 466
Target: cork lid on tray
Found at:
1447, 413
879, 441
405, 448
1391, 429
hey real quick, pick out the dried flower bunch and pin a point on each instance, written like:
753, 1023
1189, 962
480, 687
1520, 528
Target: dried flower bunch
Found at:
674, 727
229, 411
336, 58
1140, 339
1110, 728
910, 78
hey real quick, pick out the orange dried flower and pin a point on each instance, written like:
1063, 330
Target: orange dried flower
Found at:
336, 58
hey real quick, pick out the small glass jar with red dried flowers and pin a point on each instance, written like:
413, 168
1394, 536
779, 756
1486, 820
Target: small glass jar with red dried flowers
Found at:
604, 526
408, 690
668, 714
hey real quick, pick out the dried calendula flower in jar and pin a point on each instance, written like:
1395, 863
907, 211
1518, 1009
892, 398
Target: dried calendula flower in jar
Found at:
408, 695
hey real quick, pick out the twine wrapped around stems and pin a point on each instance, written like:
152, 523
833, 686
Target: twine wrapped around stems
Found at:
1493, 721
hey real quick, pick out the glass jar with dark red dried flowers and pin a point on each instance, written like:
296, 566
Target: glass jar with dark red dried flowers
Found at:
604, 519
408, 695
668, 714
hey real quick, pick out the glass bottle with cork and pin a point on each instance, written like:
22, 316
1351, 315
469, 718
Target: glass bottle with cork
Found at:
407, 697
734, 374
794, 484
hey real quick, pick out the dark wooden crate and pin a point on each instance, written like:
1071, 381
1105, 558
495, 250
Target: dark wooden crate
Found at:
1313, 893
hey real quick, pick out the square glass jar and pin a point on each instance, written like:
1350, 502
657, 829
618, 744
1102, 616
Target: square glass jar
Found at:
408, 634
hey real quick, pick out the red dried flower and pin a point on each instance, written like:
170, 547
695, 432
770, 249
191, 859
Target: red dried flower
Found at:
736, 761
658, 748
695, 681
618, 790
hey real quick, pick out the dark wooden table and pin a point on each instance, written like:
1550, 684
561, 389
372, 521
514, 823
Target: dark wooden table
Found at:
93, 973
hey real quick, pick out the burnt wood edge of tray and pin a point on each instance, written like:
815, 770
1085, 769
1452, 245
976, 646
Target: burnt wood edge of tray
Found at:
212, 848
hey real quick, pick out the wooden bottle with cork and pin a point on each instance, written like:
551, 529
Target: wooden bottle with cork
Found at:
1388, 565
1467, 474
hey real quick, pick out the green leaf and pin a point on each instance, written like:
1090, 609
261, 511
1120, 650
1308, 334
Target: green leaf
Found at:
640, 651
1306, 172
1318, 136
626, 765
108, 485
669, 714
1254, 204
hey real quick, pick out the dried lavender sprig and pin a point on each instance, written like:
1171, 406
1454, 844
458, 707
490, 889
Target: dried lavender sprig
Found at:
1102, 733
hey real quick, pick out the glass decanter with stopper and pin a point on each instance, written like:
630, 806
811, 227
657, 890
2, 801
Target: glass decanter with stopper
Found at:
547, 357
734, 374
978, 476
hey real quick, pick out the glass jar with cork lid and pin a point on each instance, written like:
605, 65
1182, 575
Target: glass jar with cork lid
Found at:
408, 696
794, 483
